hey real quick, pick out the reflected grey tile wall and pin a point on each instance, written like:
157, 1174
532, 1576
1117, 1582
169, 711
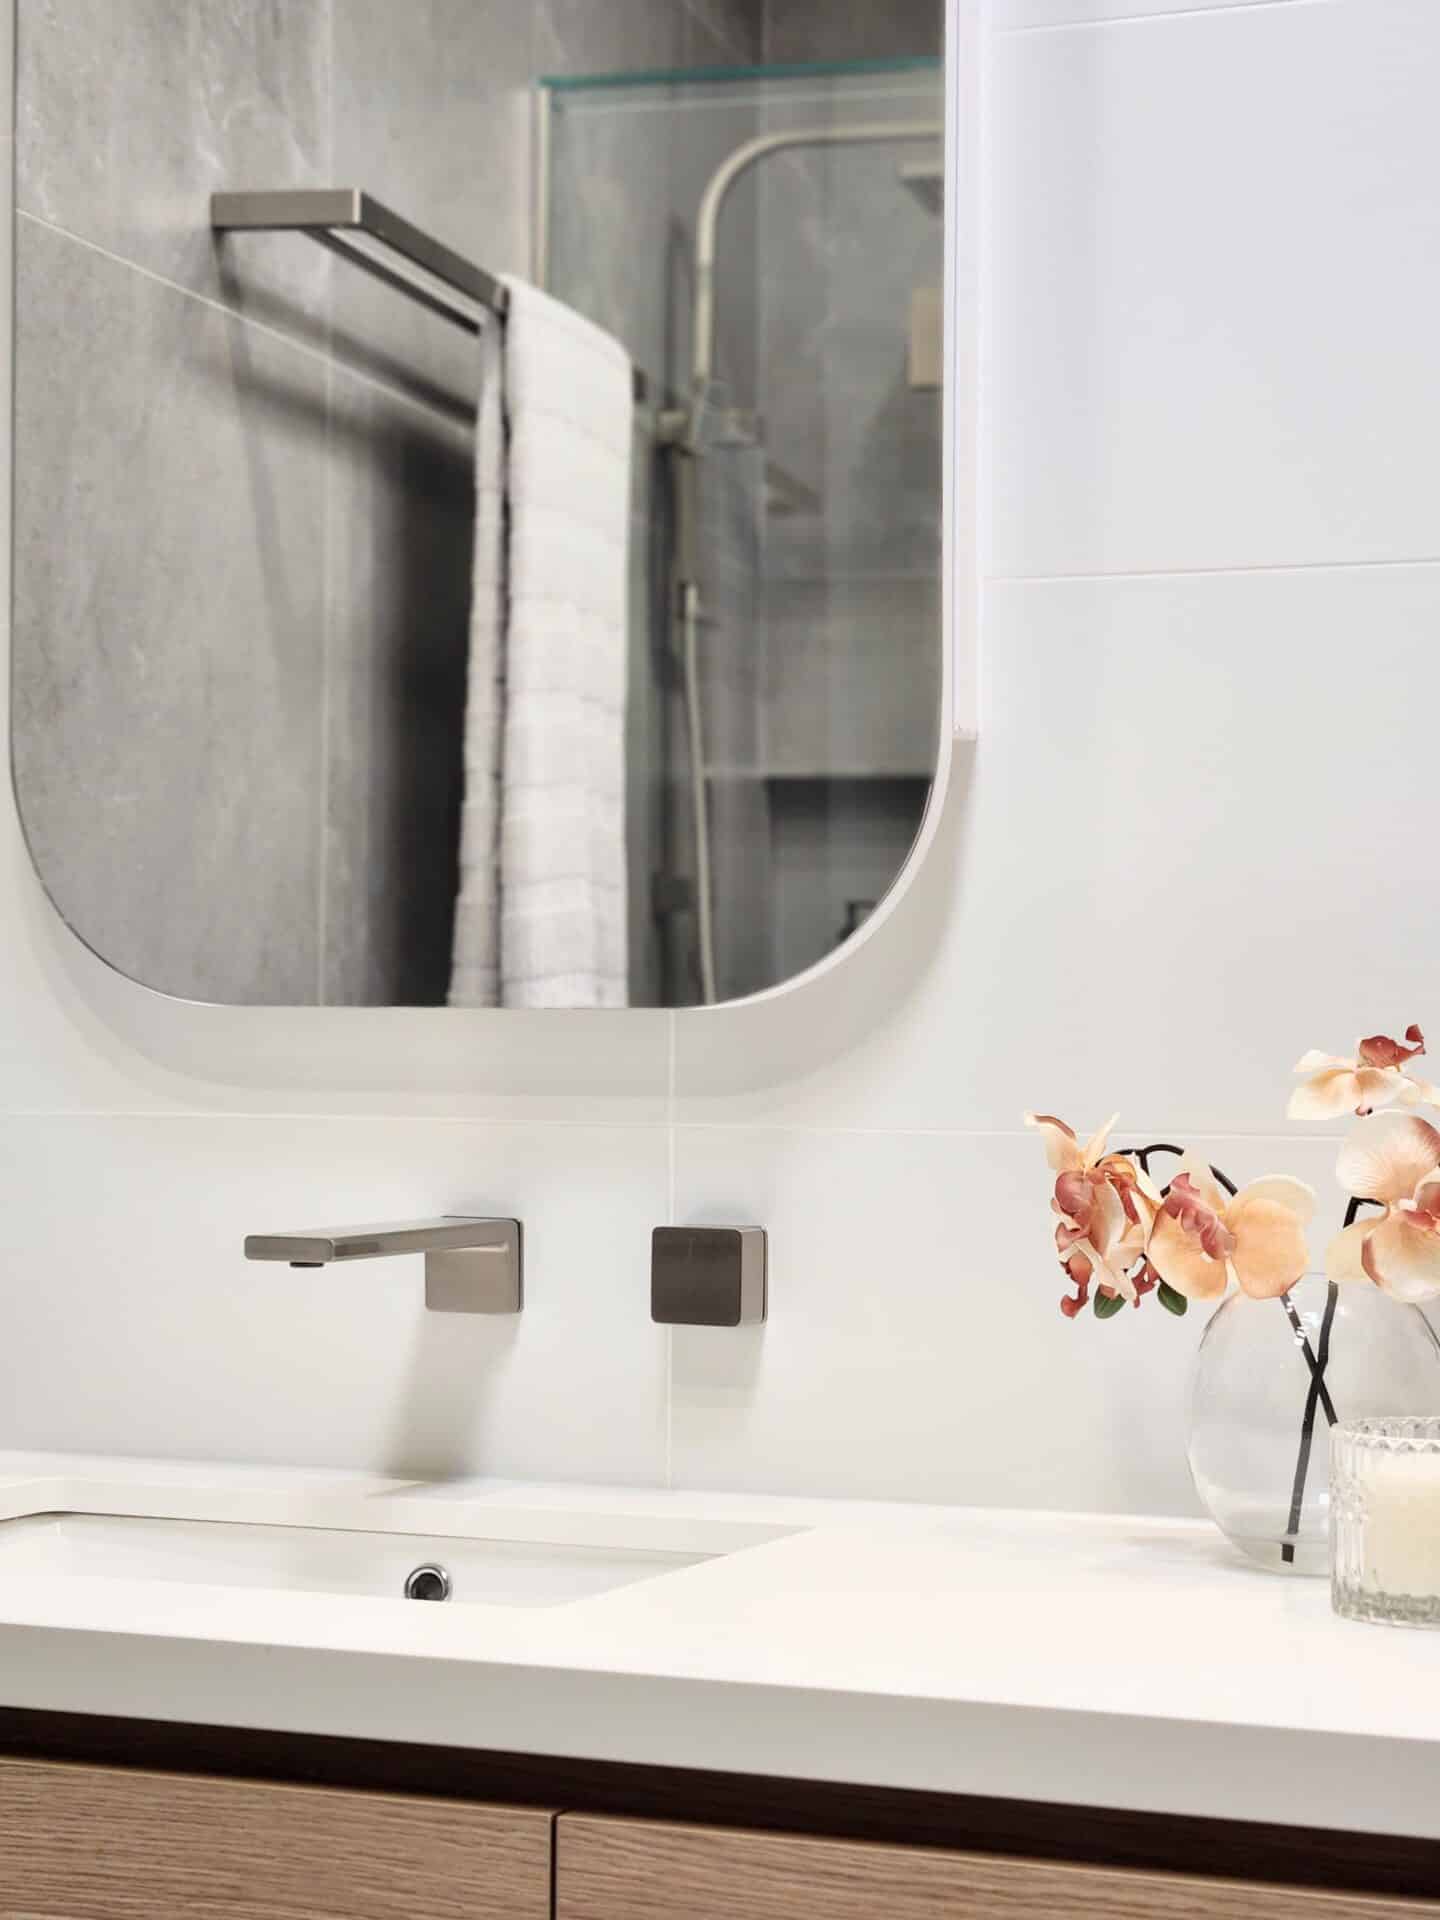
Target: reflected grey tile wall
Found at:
875, 30
838, 846
852, 600
354, 518
132, 112
632, 36
434, 116
730, 484
828, 637
742, 885
168, 625
398, 599
622, 232
726, 28
854, 245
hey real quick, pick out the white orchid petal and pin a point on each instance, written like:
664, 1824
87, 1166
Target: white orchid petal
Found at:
1203, 1180
1331, 1093
1280, 1188
1095, 1145
1387, 1157
1403, 1258
1182, 1262
1344, 1257
1062, 1149
1270, 1250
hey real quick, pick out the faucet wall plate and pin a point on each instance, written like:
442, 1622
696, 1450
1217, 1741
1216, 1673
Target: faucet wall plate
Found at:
708, 1276
479, 1279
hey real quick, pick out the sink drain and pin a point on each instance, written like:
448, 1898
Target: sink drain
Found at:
427, 1583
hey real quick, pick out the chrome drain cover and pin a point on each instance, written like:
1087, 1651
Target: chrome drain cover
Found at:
427, 1583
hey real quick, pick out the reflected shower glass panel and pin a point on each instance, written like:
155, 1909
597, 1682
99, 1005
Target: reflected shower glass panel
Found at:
785, 643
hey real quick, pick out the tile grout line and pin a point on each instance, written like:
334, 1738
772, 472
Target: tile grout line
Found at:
671, 1142
521, 1122
263, 327
1149, 17
1211, 573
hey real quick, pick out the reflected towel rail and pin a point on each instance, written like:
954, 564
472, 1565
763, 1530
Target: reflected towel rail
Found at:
351, 223
356, 226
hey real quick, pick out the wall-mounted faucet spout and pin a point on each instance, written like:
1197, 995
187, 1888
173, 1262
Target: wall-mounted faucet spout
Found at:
471, 1265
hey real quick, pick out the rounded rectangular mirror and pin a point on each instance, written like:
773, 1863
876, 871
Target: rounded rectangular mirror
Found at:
478, 498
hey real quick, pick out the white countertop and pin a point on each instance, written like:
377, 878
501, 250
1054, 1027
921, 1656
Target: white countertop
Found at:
1084, 1659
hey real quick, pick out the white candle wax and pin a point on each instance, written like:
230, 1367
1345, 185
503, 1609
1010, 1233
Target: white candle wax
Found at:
1402, 1523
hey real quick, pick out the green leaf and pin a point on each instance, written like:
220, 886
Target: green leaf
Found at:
1107, 1304
1172, 1301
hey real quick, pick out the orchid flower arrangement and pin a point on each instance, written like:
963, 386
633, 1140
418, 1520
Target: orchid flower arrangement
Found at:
1123, 1236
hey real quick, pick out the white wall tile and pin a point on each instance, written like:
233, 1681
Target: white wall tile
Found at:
1195, 838
1216, 290
133, 1324
1186, 850
914, 1348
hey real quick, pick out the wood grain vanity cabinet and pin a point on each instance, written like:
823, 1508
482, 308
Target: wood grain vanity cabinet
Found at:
616, 1869
83, 1839
101, 1843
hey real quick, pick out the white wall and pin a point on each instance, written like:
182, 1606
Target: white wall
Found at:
1196, 837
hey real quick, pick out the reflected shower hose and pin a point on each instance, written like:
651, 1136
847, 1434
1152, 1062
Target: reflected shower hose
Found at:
699, 789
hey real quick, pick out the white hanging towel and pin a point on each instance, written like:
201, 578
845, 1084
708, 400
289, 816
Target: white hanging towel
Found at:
541, 915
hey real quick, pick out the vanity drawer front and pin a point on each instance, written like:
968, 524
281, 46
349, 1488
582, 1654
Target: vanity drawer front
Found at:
98, 1843
610, 1869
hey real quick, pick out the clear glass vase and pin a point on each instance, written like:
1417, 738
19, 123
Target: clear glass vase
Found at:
1270, 1378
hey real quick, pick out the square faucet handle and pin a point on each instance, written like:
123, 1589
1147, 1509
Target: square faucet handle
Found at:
708, 1276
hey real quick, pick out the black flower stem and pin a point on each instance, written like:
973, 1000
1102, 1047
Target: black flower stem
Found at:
1318, 1392
1307, 1425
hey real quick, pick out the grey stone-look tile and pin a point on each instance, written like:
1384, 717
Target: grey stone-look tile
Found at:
844, 246
132, 112
434, 117
627, 183
610, 36
799, 30
838, 848
742, 887
854, 675
724, 33
168, 626
402, 539
730, 485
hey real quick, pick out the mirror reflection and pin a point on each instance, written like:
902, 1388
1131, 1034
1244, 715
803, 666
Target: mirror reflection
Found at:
498, 452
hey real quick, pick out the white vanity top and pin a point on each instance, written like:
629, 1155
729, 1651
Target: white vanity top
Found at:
1086, 1659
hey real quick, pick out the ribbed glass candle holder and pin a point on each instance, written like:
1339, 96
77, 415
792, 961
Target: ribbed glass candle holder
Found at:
1385, 1521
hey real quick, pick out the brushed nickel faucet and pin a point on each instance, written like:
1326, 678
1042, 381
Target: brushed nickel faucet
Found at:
471, 1265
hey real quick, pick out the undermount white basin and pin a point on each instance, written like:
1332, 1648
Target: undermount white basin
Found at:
490, 1571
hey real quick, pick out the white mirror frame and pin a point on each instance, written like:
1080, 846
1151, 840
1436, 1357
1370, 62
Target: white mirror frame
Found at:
434, 1051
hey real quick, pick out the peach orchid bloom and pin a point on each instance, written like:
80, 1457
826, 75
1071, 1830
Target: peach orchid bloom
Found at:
1393, 1158
1205, 1238
1374, 1077
1106, 1207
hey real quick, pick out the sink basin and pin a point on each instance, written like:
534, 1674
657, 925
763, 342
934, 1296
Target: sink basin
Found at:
490, 1571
